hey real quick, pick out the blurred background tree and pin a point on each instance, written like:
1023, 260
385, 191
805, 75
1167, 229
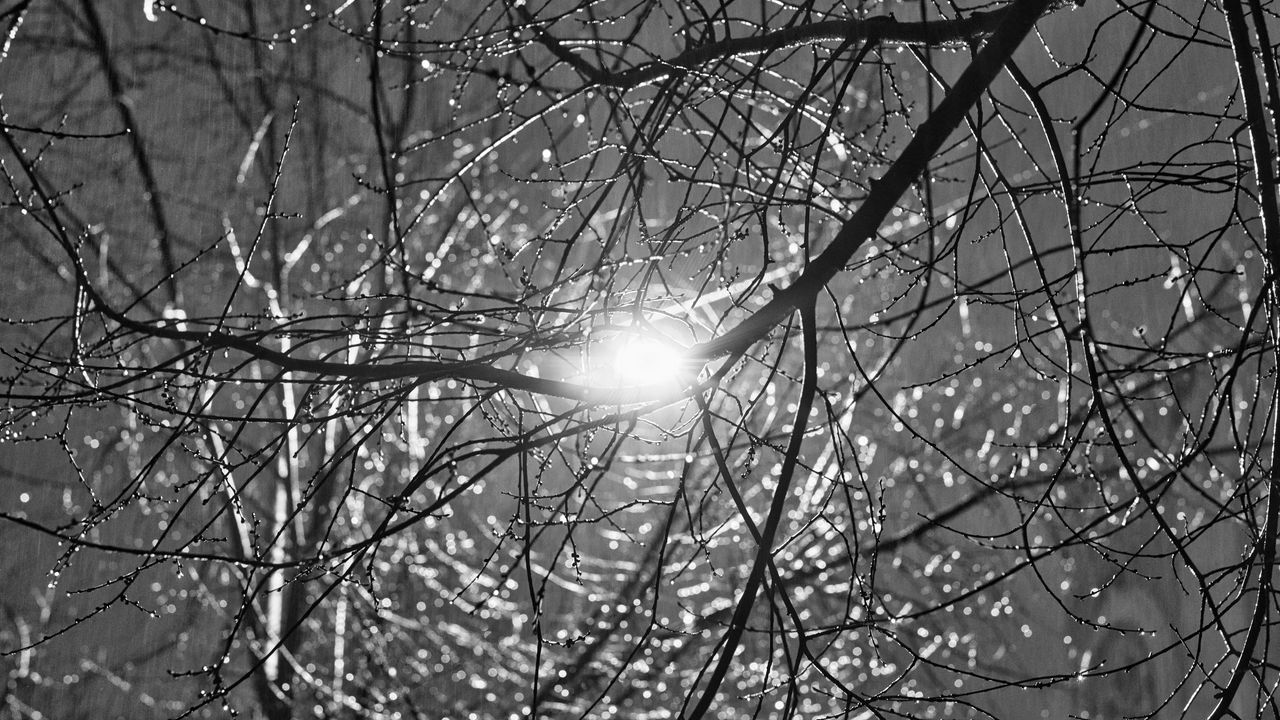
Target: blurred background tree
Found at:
659, 359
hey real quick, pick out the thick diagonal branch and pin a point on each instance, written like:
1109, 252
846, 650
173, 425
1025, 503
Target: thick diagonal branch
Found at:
886, 191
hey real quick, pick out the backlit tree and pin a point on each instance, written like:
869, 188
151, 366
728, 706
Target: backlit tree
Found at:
383, 359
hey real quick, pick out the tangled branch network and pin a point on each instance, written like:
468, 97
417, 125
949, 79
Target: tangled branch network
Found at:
662, 359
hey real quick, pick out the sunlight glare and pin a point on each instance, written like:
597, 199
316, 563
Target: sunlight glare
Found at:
640, 359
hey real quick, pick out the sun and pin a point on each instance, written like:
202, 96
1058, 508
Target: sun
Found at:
634, 358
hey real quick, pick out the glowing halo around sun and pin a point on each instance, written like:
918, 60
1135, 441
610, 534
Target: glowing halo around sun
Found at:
638, 359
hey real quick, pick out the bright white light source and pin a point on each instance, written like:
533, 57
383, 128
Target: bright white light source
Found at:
634, 358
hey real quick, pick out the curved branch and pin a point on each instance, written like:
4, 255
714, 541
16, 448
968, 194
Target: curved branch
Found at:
1265, 177
738, 624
